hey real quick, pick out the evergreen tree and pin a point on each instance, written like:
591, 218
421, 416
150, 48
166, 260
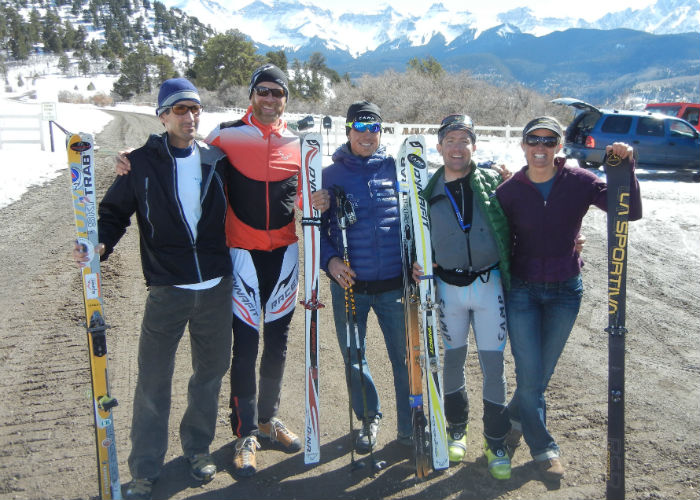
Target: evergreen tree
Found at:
164, 68
52, 32
18, 43
278, 58
134, 78
94, 49
227, 57
84, 65
428, 66
114, 41
64, 64
34, 26
69, 36
3, 67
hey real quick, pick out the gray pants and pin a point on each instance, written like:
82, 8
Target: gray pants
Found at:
168, 310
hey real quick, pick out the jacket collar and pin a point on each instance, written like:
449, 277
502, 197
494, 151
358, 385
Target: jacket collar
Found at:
266, 131
345, 156
521, 176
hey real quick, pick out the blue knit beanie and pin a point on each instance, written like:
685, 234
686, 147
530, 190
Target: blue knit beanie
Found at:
176, 90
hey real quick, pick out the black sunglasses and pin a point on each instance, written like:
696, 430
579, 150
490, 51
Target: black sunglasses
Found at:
548, 141
266, 91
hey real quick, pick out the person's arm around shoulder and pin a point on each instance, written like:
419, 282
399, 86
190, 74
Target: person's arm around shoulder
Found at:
122, 164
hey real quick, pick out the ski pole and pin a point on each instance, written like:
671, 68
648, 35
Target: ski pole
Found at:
346, 216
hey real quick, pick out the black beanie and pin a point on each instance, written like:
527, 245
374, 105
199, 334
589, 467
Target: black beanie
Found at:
269, 73
363, 111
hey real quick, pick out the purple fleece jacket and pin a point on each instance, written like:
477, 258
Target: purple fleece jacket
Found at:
543, 232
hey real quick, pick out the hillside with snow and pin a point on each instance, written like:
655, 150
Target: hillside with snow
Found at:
292, 24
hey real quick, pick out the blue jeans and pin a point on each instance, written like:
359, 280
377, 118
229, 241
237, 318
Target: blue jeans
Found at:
540, 319
389, 310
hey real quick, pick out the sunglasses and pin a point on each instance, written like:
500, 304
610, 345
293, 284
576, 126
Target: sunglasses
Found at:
181, 109
266, 91
548, 142
449, 120
365, 127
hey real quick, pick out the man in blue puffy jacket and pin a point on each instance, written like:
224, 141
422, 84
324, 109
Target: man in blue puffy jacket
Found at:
367, 175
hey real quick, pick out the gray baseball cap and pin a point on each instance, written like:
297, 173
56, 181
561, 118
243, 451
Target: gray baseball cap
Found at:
545, 122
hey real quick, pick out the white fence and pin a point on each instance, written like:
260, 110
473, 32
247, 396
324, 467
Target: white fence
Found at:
335, 136
21, 129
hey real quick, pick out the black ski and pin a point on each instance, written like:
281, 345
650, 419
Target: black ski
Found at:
617, 172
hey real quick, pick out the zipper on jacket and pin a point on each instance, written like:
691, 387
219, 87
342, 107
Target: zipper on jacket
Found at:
148, 209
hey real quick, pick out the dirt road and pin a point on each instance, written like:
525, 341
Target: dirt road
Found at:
46, 437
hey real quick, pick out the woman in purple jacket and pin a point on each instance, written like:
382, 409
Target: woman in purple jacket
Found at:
545, 203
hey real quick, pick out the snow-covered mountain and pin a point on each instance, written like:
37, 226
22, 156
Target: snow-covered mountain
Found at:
292, 24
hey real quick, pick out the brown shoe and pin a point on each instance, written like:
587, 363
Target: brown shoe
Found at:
513, 440
551, 469
277, 432
244, 456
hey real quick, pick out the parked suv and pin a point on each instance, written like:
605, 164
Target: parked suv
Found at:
661, 141
689, 111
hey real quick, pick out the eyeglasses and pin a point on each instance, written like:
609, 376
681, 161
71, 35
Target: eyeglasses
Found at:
547, 141
266, 91
449, 120
181, 109
362, 126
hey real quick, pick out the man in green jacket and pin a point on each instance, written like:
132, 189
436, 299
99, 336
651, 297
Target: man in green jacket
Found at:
471, 242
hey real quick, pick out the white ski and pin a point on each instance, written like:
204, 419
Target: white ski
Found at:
417, 179
311, 222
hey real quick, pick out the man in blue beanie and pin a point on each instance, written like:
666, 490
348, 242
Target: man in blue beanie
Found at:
176, 191
262, 186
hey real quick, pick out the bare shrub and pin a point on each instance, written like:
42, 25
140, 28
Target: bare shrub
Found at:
102, 100
71, 97
415, 98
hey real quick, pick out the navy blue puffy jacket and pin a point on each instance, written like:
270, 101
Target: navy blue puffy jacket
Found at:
374, 240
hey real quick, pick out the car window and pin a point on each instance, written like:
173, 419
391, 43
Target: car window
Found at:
650, 126
616, 124
691, 115
681, 129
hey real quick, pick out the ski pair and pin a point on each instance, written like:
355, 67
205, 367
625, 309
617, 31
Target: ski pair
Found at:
421, 311
617, 172
81, 163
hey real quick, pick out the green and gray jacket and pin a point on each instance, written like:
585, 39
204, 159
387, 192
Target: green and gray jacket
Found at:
488, 241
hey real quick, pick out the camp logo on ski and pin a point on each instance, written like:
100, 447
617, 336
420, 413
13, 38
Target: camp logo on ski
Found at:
80, 146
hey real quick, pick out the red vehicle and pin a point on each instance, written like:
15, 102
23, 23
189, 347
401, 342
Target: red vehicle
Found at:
688, 111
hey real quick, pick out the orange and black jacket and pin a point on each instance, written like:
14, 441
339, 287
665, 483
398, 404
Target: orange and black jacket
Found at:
263, 184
